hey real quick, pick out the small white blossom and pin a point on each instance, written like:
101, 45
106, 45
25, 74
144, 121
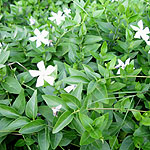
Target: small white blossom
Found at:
149, 52
57, 17
122, 65
40, 37
141, 33
67, 12
56, 110
69, 88
32, 21
43, 74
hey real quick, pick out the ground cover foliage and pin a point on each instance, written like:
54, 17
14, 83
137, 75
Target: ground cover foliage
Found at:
74, 74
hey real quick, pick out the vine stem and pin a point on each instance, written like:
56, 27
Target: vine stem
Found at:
116, 109
18, 64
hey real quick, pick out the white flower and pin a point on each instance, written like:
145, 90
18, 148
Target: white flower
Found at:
141, 33
40, 37
57, 17
69, 88
149, 52
32, 21
56, 110
67, 12
122, 65
43, 74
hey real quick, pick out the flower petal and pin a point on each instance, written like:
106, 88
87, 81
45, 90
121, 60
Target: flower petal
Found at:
51, 18
45, 41
41, 66
44, 33
145, 37
38, 43
40, 81
49, 79
120, 63
68, 89
56, 109
34, 73
127, 61
37, 32
134, 28
146, 30
137, 35
33, 38
49, 70
118, 72
140, 24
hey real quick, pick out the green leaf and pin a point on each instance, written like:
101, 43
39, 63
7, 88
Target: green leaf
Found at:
55, 139
12, 85
8, 112
86, 139
90, 39
19, 103
31, 107
78, 91
77, 125
145, 121
71, 101
53, 101
127, 144
97, 13
90, 73
129, 124
76, 80
137, 115
96, 133
18, 123
86, 122
34, 126
104, 48
142, 131
4, 55
44, 139
100, 93
63, 121
116, 86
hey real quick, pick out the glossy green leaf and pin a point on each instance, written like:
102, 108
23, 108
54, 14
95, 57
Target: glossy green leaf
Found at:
127, 144
4, 55
33, 126
31, 107
12, 85
44, 139
71, 101
86, 122
63, 121
55, 139
53, 101
19, 103
8, 112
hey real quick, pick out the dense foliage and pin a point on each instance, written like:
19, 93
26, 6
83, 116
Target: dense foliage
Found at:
74, 74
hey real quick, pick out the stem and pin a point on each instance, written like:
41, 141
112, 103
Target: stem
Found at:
28, 86
116, 109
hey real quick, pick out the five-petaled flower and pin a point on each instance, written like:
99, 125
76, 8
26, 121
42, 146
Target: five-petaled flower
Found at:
40, 37
69, 88
56, 110
122, 65
141, 33
43, 74
67, 12
57, 17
